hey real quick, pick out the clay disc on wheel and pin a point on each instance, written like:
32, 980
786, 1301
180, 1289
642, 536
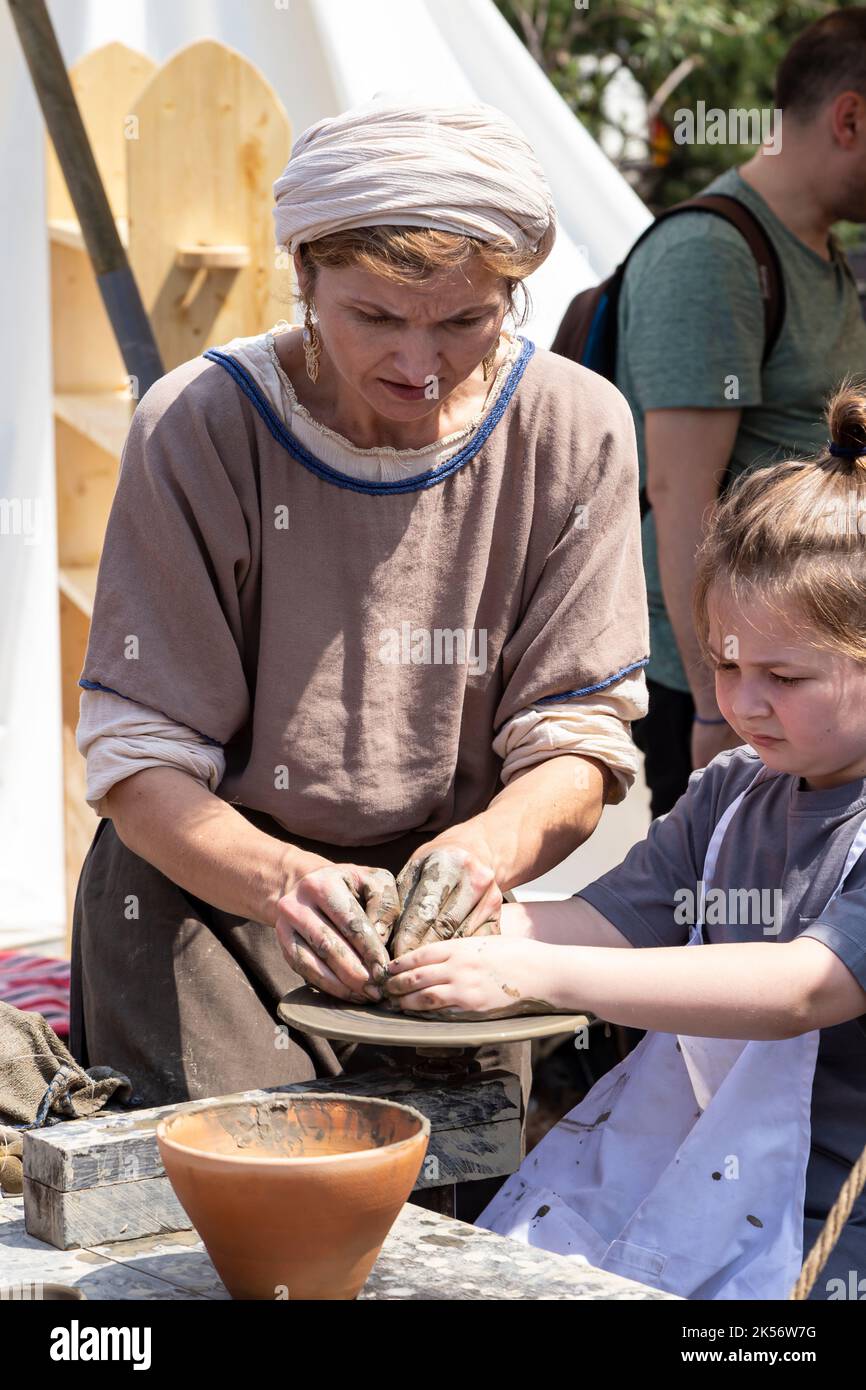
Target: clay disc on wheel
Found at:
327, 1017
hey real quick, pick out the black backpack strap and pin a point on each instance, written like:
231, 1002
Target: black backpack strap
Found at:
731, 210
766, 257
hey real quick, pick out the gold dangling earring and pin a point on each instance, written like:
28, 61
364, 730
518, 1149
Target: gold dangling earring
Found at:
312, 345
487, 362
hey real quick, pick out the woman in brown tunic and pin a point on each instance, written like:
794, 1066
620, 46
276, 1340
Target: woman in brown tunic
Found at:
355, 578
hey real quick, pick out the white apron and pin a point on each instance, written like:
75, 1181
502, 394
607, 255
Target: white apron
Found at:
685, 1166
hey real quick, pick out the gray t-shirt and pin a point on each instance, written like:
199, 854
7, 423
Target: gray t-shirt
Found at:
785, 837
691, 333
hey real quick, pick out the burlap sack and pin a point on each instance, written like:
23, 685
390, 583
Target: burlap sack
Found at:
40, 1080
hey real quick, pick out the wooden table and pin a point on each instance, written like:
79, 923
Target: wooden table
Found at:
425, 1256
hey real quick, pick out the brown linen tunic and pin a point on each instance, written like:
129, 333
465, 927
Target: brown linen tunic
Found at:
315, 625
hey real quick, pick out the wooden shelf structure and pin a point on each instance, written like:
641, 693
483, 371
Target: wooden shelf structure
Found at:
188, 153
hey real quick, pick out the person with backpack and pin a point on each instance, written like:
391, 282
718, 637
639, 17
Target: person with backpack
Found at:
727, 327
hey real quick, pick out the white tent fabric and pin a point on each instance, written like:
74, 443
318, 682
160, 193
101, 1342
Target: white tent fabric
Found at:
320, 56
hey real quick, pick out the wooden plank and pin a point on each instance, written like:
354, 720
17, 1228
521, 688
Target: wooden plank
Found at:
213, 257
102, 1179
79, 822
126, 1211
213, 136
78, 584
92, 426
84, 352
103, 417
66, 231
86, 475
107, 82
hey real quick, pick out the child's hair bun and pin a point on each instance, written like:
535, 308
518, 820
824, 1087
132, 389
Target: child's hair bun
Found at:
846, 418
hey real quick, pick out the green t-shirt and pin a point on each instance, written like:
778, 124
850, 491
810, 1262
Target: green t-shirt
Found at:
691, 334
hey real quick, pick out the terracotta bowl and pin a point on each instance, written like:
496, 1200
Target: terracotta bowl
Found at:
294, 1196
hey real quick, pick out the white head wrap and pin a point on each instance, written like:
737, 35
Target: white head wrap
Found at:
465, 169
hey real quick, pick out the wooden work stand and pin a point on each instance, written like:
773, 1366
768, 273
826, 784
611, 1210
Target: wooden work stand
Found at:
101, 1179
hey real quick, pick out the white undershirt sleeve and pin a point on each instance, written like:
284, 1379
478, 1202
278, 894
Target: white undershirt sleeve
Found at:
597, 726
118, 737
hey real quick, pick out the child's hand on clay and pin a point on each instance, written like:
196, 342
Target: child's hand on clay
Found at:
474, 978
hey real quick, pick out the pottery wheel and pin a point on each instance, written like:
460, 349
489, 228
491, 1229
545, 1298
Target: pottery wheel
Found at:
327, 1017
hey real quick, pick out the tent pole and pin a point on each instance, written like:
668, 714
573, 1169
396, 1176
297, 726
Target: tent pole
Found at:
117, 285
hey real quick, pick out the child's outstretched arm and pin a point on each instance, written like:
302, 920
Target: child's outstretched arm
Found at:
756, 990
753, 989
572, 922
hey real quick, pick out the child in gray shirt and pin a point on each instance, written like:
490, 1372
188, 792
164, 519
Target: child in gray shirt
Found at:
707, 1161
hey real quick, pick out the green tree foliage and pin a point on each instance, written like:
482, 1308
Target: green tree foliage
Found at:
680, 52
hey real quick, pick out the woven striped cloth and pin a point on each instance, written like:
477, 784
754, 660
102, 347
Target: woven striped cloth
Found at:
37, 984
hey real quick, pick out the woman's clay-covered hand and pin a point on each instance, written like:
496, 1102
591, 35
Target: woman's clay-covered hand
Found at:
333, 927
466, 979
444, 893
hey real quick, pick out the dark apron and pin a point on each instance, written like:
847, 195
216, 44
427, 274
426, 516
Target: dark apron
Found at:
182, 997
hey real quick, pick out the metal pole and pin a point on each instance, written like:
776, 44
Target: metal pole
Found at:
114, 276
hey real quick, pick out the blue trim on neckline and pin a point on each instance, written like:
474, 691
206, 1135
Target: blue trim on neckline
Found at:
591, 689
330, 475
95, 685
